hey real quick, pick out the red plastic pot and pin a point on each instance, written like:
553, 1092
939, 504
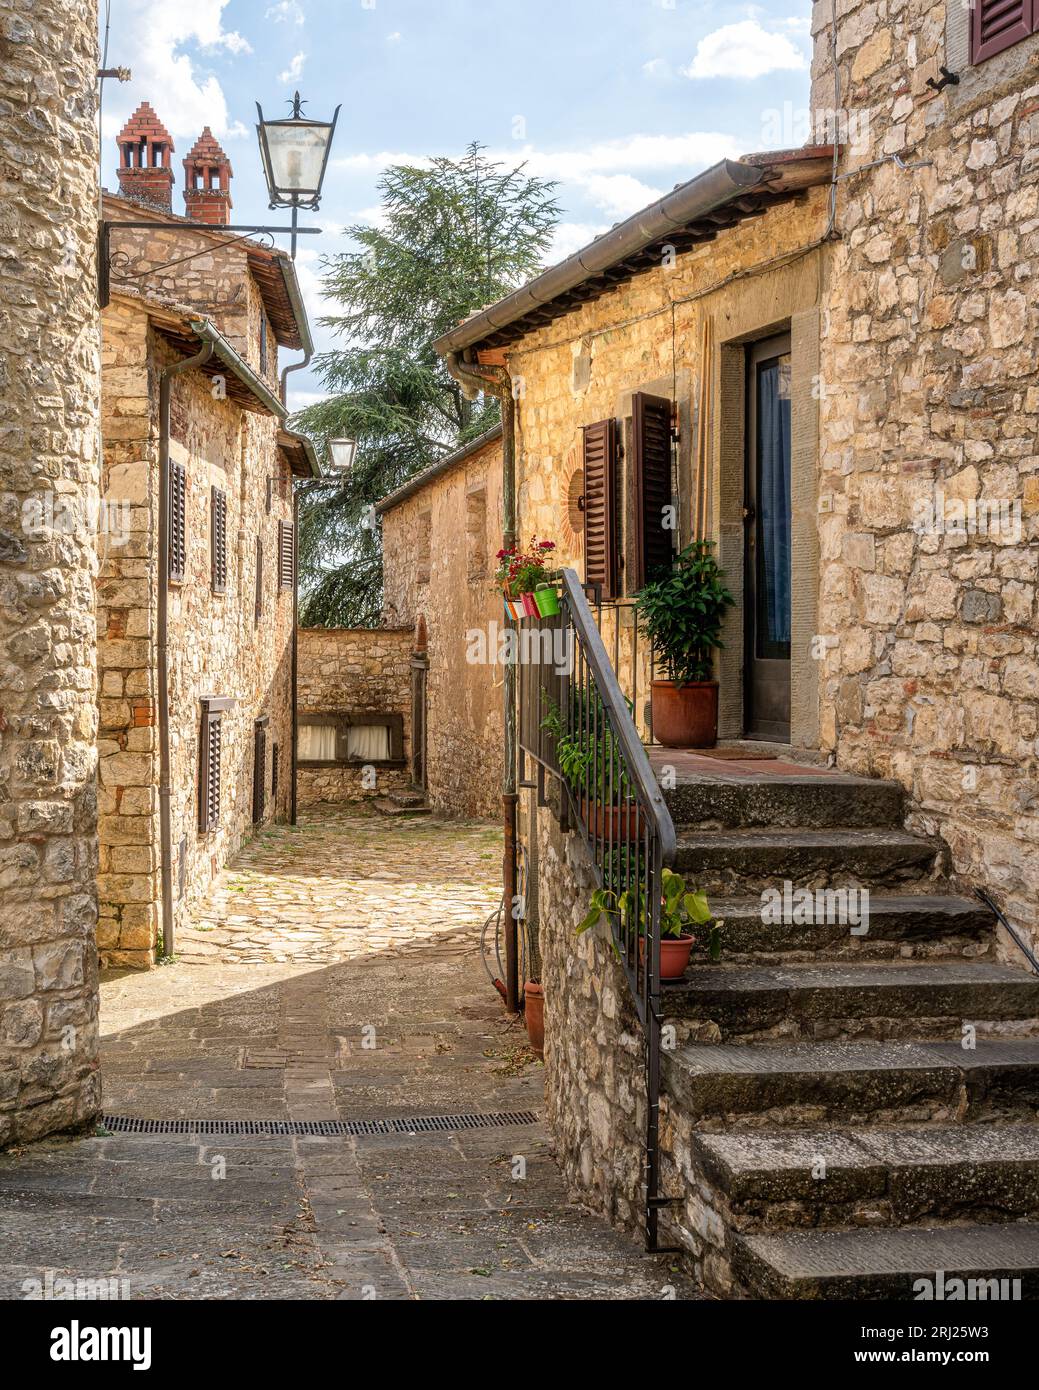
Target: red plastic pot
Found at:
674, 955
530, 605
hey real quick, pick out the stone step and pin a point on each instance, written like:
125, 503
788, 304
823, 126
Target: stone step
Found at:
917, 999
922, 924
728, 1086
813, 801
860, 1177
401, 804
740, 859
888, 1264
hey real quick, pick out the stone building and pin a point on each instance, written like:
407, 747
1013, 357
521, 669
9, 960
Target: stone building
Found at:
824, 360
440, 534
49, 476
194, 644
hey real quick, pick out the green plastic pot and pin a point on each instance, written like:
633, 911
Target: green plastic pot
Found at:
547, 600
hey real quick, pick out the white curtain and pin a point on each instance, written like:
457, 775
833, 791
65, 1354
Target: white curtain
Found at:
370, 743
317, 743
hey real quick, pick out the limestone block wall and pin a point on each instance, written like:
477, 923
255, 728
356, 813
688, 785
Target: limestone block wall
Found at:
456, 522
48, 497
586, 365
930, 412
217, 644
353, 670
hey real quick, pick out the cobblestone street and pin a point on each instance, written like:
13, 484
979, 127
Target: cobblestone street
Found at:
333, 975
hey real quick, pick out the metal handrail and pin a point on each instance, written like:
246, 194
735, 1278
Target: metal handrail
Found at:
610, 796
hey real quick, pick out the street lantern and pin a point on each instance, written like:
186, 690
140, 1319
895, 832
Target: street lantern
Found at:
295, 155
342, 452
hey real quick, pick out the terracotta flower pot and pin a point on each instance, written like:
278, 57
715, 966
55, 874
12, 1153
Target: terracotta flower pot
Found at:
530, 606
615, 823
674, 955
534, 1013
685, 716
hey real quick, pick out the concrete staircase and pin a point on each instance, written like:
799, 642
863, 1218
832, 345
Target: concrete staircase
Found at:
828, 1134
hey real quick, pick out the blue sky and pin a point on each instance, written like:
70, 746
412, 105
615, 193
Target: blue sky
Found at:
618, 100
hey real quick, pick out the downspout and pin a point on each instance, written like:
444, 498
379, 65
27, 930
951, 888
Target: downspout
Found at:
165, 821
496, 381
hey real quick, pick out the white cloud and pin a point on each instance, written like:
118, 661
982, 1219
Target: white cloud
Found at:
684, 152
393, 38
744, 50
185, 96
569, 237
656, 67
285, 12
618, 195
294, 69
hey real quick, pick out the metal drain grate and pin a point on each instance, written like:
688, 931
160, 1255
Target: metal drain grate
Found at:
419, 1124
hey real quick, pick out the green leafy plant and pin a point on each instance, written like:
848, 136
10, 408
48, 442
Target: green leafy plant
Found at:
680, 909
585, 760
682, 613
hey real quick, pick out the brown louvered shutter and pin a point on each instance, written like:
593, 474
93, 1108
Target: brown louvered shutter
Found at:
259, 769
259, 579
998, 24
218, 539
209, 774
651, 442
600, 534
178, 555
286, 554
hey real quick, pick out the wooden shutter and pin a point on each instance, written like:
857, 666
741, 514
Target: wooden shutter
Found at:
209, 773
178, 550
218, 539
259, 579
600, 535
259, 769
651, 443
998, 24
274, 775
286, 554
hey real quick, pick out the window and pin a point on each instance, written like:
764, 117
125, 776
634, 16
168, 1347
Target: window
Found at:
600, 533
259, 769
258, 610
476, 532
286, 555
218, 539
651, 468
209, 770
178, 549
270, 494
357, 738
996, 25
424, 548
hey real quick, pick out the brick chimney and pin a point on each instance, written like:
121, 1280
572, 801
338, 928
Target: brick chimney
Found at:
145, 169
207, 182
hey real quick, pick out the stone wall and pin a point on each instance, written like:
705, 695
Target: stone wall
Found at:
48, 499
354, 670
931, 387
217, 645
456, 521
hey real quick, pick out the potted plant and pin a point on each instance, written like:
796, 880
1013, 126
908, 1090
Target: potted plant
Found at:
682, 614
606, 804
680, 912
521, 572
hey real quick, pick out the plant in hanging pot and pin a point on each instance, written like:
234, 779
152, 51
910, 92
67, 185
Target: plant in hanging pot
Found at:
593, 769
680, 912
521, 572
682, 614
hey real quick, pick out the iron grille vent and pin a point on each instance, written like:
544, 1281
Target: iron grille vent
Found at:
420, 1124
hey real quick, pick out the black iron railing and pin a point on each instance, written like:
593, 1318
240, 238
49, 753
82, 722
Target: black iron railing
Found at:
576, 725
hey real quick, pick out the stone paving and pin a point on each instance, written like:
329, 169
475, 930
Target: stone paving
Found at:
334, 974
